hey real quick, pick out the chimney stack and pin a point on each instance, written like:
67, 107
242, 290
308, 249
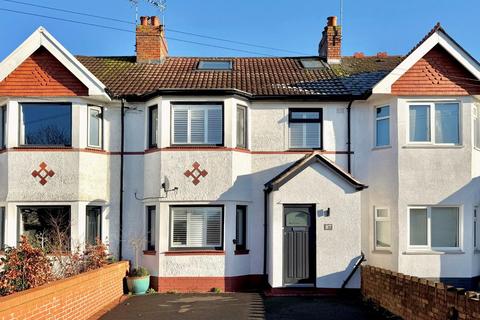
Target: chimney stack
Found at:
331, 44
151, 45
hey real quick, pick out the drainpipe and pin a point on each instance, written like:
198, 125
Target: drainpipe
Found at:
122, 150
266, 192
349, 138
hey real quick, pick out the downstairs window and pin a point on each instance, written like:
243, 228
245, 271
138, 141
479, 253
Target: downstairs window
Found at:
196, 227
46, 227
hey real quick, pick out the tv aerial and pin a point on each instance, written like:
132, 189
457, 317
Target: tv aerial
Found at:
160, 5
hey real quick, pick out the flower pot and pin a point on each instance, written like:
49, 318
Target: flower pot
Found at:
138, 285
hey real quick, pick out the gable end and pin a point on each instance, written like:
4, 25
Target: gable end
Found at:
437, 73
42, 74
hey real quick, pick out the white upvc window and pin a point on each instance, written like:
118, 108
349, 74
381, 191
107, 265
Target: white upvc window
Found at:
434, 123
383, 237
476, 126
3, 126
196, 227
434, 228
197, 124
95, 126
382, 126
305, 127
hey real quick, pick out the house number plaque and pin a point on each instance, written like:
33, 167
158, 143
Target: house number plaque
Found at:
328, 226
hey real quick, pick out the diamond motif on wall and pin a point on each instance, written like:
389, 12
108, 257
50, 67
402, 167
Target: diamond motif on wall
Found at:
43, 173
195, 173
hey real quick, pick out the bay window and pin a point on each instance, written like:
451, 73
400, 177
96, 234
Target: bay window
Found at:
197, 124
2, 228
3, 126
46, 124
382, 229
151, 223
437, 123
199, 227
93, 224
434, 228
95, 126
382, 126
305, 127
152, 126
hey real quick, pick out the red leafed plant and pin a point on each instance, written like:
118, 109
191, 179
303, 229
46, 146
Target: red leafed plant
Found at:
24, 267
96, 255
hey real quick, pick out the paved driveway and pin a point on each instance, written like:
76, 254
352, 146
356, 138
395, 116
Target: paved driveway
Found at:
240, 306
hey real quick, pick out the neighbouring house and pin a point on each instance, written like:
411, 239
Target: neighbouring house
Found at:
240, 170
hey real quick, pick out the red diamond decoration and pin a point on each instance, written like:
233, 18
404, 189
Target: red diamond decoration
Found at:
43, 173
195, 173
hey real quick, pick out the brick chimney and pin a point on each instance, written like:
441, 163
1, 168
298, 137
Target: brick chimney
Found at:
151, 45
331, 44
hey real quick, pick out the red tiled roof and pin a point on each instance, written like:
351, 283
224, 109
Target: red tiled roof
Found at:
254, 77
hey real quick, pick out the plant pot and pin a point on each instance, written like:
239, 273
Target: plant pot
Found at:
138, 285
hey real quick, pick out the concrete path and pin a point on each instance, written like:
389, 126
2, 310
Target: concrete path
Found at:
235, 306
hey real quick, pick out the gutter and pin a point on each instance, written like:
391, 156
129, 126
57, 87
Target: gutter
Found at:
122, 151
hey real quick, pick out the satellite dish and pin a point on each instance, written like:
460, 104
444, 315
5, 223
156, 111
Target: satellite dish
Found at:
166, 184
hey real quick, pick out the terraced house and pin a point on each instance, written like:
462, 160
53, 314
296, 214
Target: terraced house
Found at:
237, 171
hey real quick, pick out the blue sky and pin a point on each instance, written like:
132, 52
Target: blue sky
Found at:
369, 26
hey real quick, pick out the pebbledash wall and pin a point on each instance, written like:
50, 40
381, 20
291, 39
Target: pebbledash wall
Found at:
78, 297
417, 298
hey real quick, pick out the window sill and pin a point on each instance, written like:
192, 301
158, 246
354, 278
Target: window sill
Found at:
242, 252
304, 149
149, 252
382, 147
433, 146
382, 251
431, 252
195, 253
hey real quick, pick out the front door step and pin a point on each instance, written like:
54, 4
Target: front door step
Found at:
314, 292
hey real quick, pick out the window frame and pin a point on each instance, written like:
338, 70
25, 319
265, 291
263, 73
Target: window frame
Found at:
432, 123
376, 218
245, 125
292, 120
428, 246
100, 129
21, 131
192, 103
377, 119
3, 126
186, 248
150, 143
241, 247
150, 237
476, 126
476, 221
100, 221
3, 222
200, 68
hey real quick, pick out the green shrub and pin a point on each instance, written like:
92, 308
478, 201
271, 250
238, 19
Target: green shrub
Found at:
139, 272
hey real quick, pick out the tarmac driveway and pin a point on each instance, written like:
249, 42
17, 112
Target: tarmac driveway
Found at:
241, 306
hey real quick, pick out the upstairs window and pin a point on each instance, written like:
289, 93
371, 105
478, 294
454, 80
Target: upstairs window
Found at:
197, 124
3, 126
152, 126
46, 124
241, 127
197, 227
94, 224
476, 127
215, 65
382, 126
305, 128
434, 123
95, 126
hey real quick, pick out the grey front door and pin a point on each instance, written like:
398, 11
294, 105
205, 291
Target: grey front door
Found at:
298, 244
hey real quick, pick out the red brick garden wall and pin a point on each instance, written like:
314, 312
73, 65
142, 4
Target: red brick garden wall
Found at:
416, 298
78, 297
